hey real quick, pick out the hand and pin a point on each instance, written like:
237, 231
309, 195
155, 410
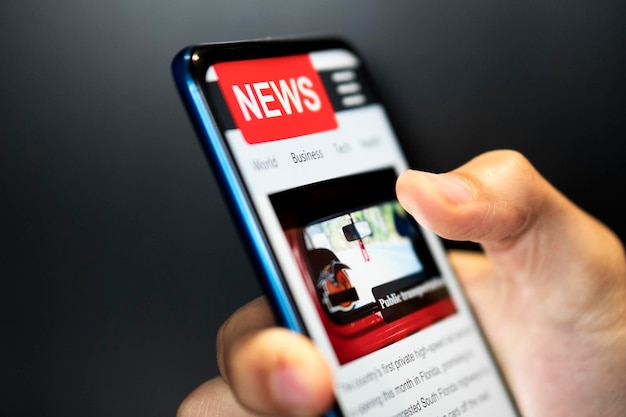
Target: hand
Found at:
550, 294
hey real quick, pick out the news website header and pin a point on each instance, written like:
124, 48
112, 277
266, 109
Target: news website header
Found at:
286, 97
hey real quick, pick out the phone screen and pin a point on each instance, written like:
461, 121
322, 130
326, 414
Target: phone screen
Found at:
309, 159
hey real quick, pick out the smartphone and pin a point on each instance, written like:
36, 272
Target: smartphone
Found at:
307, 159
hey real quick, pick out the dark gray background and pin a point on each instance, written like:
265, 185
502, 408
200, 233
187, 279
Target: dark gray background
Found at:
119, 259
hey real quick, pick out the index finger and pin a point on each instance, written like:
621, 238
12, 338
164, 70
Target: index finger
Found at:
272, 370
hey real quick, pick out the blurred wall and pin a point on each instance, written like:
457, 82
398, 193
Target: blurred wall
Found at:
119, 259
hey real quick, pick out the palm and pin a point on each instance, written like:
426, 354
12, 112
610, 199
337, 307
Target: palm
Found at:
553, 353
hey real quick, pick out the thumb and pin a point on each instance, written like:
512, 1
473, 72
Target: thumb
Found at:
490, 200
499, 200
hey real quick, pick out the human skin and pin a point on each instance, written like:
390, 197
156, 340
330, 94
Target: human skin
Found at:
549, 291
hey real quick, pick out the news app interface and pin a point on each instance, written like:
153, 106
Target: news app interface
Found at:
319, 160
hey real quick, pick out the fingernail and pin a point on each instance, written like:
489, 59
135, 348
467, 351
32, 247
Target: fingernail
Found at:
289, 388
453, 188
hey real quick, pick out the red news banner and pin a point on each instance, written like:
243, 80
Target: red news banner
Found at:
275, 98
